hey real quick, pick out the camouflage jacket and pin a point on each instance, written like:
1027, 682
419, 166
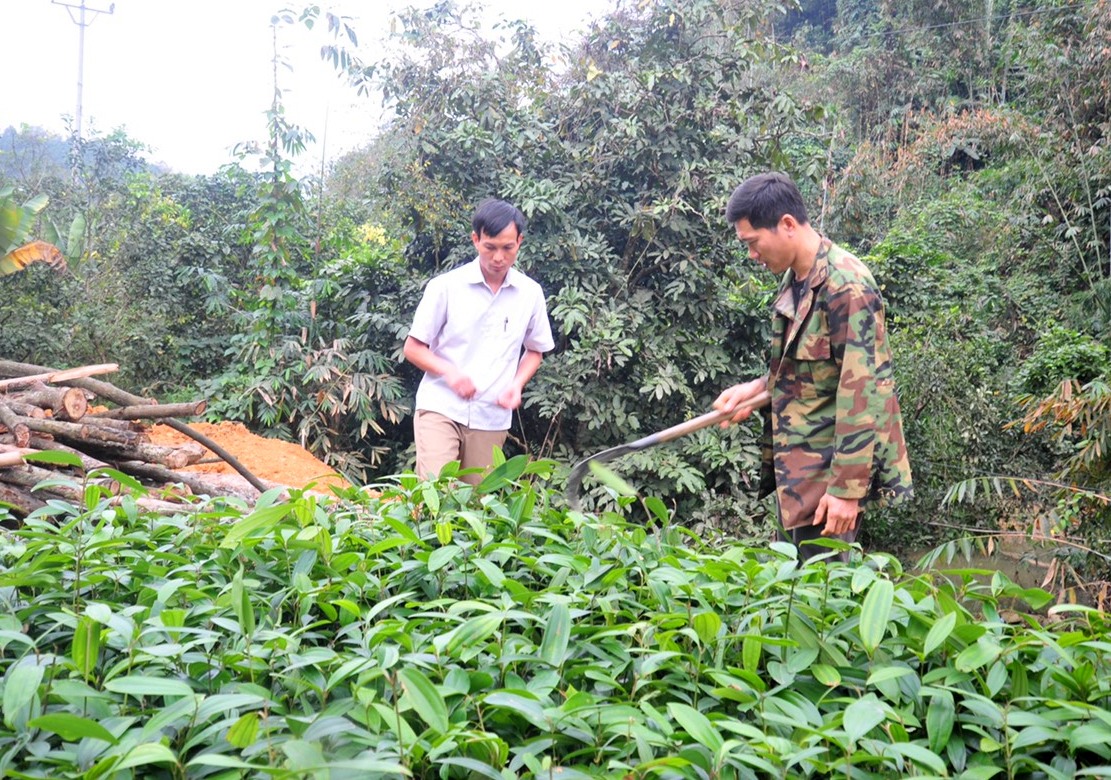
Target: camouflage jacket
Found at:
834, 424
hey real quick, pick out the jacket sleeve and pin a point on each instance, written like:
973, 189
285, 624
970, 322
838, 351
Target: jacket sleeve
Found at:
855, 316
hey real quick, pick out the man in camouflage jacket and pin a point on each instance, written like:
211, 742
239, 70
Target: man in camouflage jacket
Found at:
833, 437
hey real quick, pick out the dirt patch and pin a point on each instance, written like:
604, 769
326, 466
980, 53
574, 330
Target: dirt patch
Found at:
271, 460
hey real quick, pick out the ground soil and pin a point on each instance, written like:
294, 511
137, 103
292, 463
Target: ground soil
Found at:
271, 460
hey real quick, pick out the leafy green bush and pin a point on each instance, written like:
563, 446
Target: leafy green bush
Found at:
439, 630
1062, 354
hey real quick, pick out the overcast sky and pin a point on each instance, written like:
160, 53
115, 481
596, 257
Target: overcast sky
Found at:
191, 79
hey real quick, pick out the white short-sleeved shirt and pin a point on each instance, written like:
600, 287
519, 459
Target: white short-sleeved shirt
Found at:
483, 334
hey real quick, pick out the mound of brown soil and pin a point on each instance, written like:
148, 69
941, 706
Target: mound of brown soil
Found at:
271, 460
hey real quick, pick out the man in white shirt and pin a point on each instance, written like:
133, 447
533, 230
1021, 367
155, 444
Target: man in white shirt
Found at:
479, 335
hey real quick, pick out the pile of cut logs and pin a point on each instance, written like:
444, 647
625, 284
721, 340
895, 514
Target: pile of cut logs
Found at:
101, 427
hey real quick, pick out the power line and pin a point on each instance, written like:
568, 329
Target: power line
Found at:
81, 22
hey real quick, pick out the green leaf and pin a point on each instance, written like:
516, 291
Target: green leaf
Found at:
939, 632
697, 725
473, 631
54, 457
940, 717
862, 716
504, 475
918, 755
85, 647
258, 522
707, 625
222, 761
241, 604
20, 687
442, 556
426, 700
72, 727
490, 569
610, 479
473, 766
524, 706
75, 242
244, 731
557, 635
888, 673
658, 509
444, 531
751, 649
138, 685
826, 674
150, 753
975, 656
875, 614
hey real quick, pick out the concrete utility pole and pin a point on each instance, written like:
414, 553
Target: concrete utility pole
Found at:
81, 21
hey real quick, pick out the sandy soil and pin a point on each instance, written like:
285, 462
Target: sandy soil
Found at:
271, 460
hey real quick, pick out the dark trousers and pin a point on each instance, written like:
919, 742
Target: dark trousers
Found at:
802, 536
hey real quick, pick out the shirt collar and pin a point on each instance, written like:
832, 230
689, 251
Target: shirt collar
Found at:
473, 274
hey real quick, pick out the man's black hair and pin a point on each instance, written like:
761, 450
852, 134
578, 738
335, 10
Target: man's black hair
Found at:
763, 199
493, 216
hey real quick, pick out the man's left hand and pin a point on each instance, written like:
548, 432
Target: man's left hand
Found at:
510, 398
838, 514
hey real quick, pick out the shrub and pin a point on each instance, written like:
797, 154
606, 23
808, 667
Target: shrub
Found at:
1060, 355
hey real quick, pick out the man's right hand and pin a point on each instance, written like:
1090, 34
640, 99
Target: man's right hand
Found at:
461, 384
738, 396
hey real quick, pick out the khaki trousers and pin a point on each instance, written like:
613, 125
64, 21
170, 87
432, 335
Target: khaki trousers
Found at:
440, 440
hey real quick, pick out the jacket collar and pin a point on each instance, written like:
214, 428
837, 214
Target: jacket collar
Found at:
785, 300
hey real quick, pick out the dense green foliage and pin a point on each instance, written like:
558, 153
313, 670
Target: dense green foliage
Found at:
440, 631
961, 149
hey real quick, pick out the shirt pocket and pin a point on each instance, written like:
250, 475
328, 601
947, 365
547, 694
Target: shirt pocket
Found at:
817, 371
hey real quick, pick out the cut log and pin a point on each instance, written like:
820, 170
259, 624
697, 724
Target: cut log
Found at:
153, 411
114, 394
116, 425
13, 424
20, 501
176, 457
25, 410
29, 476
84, 432
23, 379
65, 403
13, 456
200, 484
88, 463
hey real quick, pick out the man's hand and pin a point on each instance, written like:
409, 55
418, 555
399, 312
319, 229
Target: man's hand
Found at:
838, 514
737, 396
461, 384
510, 397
